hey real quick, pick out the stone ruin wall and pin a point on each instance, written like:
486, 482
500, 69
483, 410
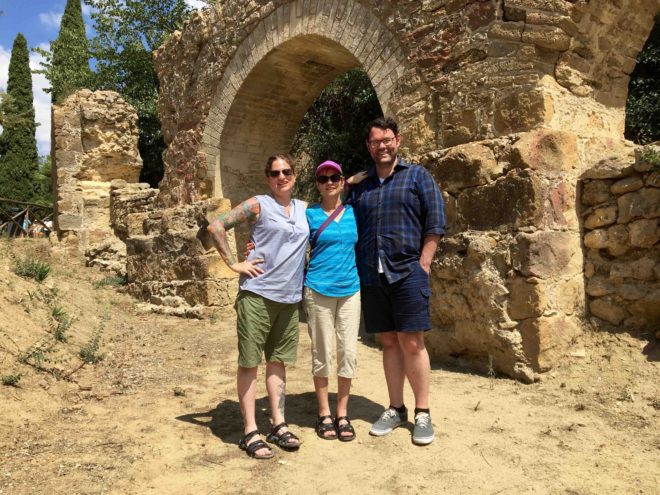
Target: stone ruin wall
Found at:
620, 209
509, 103
96, 164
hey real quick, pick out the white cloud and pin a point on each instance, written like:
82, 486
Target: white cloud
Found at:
41, 103
5, 55
196, 4
51, 19
86, 10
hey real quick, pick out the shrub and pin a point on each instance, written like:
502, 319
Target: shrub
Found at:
31, 268
12, 380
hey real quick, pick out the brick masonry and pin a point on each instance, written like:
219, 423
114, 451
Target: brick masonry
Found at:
508, 102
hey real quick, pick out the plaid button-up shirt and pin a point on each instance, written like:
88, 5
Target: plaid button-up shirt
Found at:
393, 218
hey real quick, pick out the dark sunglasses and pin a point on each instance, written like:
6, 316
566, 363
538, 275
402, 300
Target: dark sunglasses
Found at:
287, 172
322, 179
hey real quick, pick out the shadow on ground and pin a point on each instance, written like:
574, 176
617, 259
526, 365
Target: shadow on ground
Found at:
225, 421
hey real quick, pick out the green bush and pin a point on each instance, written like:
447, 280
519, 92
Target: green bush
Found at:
112, 281
12, 380
31, 268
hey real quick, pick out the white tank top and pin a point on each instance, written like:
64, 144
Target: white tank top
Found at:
281, 241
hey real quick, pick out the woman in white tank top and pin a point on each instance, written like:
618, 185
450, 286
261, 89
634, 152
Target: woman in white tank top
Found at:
267, 303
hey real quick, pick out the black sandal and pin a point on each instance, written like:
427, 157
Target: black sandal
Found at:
345, 428
323, 428
251, 448
283, 440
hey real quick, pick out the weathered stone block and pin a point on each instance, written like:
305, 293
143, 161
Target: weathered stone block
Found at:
549, 151
607, 309
526, 300
629, 184
596, 239
601, 217
213, 266
595, 192
547, 254
653, 180
510, 31
550, 37
611, 158
641, 269
134, 224
522, 112
184, 242
570, 295
643, 203
599, 286
648, 307
546, 339
465, 166
618, 240
513, 201
632, 291
643, 233
69, 222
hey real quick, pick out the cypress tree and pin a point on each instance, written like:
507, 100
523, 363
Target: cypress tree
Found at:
69, 69
18, 145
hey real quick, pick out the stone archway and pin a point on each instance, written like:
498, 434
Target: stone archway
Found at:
275, 75
507, 102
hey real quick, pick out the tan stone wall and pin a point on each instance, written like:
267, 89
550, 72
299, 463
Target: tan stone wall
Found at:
620, 210
94, 140
172, 264
508, 102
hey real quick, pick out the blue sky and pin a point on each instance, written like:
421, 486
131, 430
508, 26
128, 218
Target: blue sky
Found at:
39, 21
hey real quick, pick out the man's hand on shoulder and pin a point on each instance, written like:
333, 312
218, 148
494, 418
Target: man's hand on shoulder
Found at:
357, 178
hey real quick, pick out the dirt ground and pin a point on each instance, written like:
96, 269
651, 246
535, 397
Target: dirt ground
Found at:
158, 414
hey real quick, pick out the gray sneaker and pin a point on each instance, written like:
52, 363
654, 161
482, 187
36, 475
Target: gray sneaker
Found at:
423, 431
389, 420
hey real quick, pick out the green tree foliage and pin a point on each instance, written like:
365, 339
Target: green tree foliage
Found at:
643, 106
44, 182
128, 31
67, 64
18, 145
333, 127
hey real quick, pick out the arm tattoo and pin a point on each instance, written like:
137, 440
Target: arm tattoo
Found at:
247, 211
282, 393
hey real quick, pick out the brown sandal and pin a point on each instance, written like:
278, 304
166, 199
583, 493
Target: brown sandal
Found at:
283, 440
322, 428
345, 428
251, 448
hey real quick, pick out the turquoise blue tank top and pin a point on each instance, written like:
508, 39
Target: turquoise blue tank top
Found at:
332, 271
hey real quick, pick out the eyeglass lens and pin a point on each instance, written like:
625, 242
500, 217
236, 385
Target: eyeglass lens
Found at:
287, 172
386, 142
322, 179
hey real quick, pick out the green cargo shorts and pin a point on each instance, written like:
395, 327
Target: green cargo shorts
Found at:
265, 327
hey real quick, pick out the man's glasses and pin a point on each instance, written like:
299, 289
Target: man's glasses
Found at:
322, 179
287, 172
375, 144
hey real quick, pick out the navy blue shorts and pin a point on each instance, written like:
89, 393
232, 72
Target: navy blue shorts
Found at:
402, 306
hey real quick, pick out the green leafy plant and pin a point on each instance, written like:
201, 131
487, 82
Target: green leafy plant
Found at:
37, 353
31, 268
112, 281
89, 353
63, 323
650, 155
643, 105
12, 380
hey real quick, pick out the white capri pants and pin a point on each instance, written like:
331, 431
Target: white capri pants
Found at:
328, 317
